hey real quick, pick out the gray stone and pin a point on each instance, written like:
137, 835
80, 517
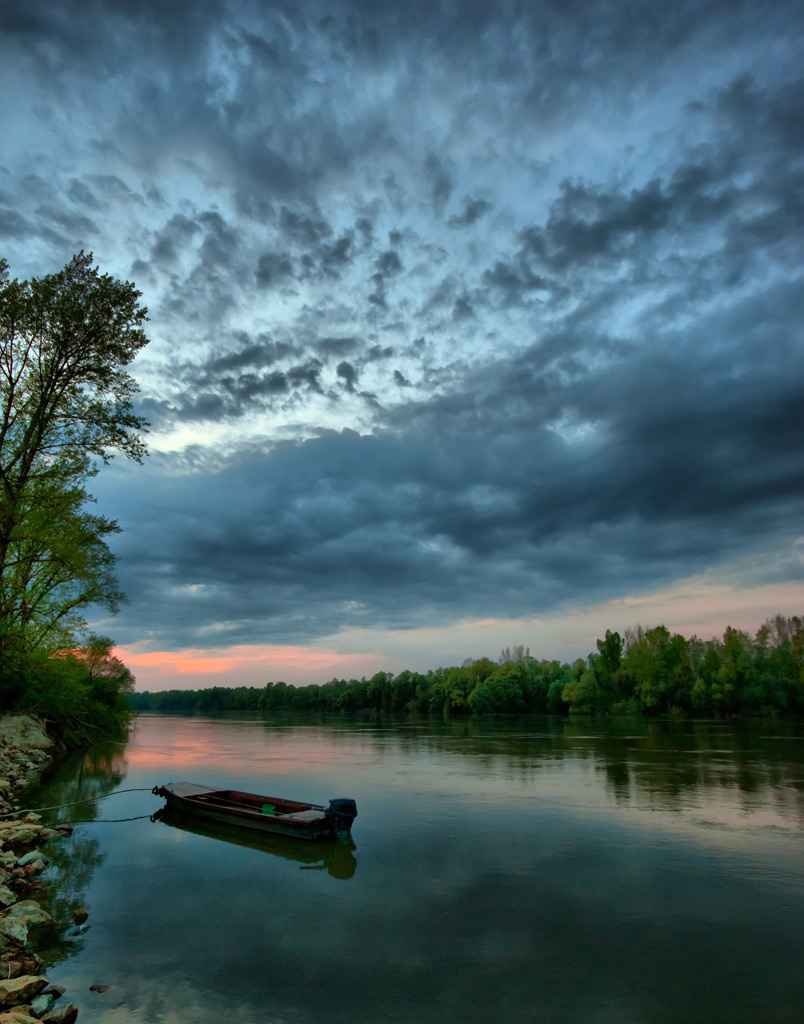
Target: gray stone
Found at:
25, 731
11, 929
61, 1014
15, 991
7, 897
42, 1003
19, 1015
21, 836
25, 920
31, 857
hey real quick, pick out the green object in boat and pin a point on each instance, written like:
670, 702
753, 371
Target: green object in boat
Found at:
268, 808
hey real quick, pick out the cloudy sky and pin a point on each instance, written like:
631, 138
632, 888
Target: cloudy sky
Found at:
472, 323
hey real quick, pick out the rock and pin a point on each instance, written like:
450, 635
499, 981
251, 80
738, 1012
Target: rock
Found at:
25, 731
80, 915
61, 1014
99, 988
7, 897
25, 920
21, 836
5, 785
42, 1003
31, 857
11, 929
18, 1016
55, 990
14, 991
27, 889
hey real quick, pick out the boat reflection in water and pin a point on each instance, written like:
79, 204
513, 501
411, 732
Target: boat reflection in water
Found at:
336, 856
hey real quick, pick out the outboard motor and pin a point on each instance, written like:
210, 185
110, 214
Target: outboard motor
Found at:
342, 812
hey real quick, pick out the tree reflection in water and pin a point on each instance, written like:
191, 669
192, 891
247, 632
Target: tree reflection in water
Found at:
84, 776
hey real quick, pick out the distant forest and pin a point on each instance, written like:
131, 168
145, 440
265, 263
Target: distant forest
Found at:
650, 671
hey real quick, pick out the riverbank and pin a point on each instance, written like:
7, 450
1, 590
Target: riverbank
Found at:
25, 994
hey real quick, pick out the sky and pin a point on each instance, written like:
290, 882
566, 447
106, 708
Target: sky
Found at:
472, 324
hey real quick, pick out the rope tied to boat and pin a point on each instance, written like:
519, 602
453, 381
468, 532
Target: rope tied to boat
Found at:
75, 803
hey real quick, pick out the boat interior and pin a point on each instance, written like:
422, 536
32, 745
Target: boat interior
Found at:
273, 806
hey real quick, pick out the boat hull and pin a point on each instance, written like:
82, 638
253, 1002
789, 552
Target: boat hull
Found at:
256, 812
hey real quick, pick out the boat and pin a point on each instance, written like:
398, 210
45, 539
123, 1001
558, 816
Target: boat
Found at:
335, 856
262, 813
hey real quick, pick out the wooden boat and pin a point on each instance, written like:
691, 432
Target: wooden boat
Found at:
263, 813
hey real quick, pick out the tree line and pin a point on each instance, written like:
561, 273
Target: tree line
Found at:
643, 671
66, 408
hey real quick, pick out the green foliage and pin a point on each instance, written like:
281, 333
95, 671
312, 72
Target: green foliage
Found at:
645, 672
65, 401
83, 692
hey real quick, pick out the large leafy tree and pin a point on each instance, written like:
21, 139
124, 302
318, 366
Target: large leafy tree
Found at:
67, 407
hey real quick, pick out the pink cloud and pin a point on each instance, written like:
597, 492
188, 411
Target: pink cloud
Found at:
245, 665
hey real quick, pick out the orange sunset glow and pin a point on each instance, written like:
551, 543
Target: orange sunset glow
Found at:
245, 665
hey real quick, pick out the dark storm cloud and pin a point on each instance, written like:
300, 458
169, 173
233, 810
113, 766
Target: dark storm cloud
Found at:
388, 265
13, 224
174, 237
521, 489
378, 353
229, 392
473, 210
606, 390
80, 194
348, 374
440, 181
336, 346
333, 258
273, 267
514, 280
474, 500
307, 229
462, 309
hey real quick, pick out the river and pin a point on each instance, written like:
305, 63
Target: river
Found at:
500, 870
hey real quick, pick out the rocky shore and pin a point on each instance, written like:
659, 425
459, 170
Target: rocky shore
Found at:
25, 994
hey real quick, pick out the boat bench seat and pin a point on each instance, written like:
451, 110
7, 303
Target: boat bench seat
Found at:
310, 815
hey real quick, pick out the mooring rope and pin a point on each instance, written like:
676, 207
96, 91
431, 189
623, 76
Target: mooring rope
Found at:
105, 821
75, 803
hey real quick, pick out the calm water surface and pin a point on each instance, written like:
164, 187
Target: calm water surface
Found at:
500, 870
